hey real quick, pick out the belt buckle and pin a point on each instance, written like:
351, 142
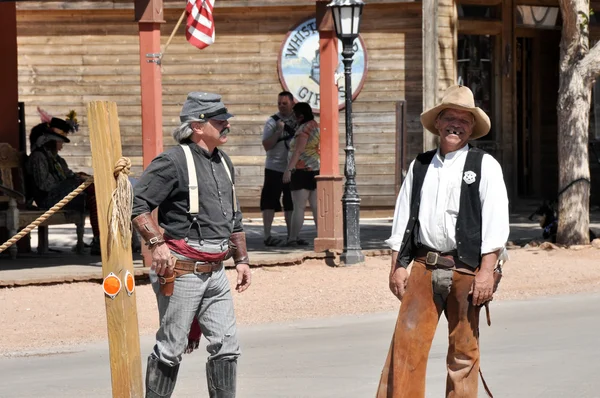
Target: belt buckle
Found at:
432, 258
196, 264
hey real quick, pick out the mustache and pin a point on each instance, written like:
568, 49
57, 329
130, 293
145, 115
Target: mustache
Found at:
224, 132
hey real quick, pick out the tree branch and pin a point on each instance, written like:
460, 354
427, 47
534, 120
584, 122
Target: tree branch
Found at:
590, 64
574, 41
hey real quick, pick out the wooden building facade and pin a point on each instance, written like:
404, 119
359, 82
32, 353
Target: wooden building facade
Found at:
71, 52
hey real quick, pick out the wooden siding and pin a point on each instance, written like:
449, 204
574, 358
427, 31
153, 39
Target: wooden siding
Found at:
67, 59
129, 4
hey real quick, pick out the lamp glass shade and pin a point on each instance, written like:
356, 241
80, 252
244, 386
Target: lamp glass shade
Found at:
346, 18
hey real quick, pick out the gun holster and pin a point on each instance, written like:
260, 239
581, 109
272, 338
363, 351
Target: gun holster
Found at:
167, 281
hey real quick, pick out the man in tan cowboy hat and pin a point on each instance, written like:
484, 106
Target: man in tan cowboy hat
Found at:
451, 218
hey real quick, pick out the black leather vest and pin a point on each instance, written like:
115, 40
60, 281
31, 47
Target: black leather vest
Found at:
468, 223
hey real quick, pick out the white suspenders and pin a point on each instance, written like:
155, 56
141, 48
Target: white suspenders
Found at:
193, 181
230, 179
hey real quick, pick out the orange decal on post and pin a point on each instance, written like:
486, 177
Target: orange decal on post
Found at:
129, 283
111, 285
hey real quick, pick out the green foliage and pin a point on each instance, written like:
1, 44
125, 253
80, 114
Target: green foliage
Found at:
585, 21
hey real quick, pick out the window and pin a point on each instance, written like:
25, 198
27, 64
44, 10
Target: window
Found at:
475, 70
594, 131
477, 12
537, 17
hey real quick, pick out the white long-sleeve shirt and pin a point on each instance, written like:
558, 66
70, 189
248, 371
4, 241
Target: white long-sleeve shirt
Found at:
440, 201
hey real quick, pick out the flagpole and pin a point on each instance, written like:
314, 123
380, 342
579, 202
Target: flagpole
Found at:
172, 34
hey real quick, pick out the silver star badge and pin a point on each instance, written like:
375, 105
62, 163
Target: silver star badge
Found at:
469, 177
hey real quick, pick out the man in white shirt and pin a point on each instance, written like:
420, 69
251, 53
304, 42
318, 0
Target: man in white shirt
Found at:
451, 218
278, 131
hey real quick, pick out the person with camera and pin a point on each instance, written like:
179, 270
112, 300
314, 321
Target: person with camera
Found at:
277, 133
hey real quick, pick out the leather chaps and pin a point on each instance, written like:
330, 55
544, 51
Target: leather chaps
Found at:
405, 368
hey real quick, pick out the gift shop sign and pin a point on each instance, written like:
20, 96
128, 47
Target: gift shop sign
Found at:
299, 65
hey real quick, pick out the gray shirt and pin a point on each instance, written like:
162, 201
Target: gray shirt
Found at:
277, 157
164, 184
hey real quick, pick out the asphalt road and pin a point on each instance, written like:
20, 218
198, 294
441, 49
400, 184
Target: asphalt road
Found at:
536, 348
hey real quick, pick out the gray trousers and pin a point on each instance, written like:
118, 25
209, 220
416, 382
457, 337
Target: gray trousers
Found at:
206, 297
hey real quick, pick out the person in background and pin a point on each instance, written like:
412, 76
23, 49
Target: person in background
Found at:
278, 131
302, 168
51, 179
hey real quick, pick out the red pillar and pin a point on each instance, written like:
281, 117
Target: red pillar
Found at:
149, 14
9, 75
330, 235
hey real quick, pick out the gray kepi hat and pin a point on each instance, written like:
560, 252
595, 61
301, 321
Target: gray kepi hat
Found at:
203, 106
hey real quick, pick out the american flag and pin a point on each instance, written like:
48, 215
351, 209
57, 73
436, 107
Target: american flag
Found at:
200, 27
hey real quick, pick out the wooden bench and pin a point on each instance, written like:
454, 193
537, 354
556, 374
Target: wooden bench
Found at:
15, 215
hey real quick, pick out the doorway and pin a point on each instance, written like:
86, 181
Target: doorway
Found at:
536, 95
525, 115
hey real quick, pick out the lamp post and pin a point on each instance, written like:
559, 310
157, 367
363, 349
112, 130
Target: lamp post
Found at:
346, 18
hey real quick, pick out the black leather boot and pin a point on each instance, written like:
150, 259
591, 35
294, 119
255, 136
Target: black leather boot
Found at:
221, 378
160, 378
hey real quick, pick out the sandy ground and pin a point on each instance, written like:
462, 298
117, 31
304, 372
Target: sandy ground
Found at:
49, 317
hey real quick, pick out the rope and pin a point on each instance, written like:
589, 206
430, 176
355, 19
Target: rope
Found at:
569, 185
47, 214
121, 200
122, 204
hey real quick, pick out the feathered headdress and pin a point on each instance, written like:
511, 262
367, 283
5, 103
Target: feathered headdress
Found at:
52, 128
72, 120
44, 116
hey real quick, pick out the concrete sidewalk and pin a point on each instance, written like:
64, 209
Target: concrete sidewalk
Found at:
63, 265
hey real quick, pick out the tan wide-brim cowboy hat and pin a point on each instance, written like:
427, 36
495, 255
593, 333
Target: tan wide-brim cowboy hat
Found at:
460, 98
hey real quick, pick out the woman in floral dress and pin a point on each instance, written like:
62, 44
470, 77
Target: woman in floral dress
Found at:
303, 166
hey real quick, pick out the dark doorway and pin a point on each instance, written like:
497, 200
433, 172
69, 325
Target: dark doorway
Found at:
536, 95
524, 116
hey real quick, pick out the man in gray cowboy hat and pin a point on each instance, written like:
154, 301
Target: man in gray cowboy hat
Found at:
451, 222
192, 185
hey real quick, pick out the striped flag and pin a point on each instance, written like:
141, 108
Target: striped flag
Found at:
200, 27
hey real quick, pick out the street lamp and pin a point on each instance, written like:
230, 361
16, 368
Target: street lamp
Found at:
346, 18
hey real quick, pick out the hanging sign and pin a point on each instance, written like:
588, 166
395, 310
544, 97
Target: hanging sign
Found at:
299, 65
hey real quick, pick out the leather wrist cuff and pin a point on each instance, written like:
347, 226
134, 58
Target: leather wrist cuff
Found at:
148, 229
240, 255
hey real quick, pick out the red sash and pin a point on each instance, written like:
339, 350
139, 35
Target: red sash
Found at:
180, 246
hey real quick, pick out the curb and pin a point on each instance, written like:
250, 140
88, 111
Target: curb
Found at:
142, 273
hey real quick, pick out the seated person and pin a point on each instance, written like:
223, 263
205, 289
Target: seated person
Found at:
51, 177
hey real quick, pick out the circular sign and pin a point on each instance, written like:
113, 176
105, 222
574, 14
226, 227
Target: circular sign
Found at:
299, 65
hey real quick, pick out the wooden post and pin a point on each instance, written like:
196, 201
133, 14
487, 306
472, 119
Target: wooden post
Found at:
9, 100
330, 233
509, 103
430, 64
401, 138
149, 14
121, 312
